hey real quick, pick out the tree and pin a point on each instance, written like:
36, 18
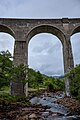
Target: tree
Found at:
39, 78
5, 68
19, 73
54, 84
31, 78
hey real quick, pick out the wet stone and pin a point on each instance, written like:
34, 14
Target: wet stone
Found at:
45, 114
32, 116
54, 114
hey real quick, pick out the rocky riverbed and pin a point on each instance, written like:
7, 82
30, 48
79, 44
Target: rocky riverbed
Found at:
72, 104
46, 106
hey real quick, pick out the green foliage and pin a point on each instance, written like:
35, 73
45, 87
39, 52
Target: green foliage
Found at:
38, 80
74, 77
5, 89
9, 72
6, 99
35, 79
5, 68
49, 84
19, 73
54, 84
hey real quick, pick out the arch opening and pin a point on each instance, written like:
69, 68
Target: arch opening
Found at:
75, 43
7, 42
45, 54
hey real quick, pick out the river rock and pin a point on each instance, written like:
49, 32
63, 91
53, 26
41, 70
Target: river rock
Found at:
54, 114
45, 114
71, 103
23, 118
35, 100
32, 116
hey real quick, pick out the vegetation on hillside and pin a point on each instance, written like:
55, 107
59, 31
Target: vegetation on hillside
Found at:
74, 77
38, 80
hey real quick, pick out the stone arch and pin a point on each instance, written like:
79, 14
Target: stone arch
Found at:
6, 29
75, 30
46, 29
52, 30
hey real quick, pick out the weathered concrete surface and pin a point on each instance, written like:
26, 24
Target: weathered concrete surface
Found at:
24, 29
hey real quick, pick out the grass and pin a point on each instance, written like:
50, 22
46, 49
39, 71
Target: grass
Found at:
7, 99
5, 89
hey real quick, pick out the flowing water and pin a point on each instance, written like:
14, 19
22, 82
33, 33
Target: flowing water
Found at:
59, 112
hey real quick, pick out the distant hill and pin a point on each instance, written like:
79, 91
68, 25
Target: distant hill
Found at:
58, 76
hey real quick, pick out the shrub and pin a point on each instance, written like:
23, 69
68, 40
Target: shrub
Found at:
74, 77
54, 84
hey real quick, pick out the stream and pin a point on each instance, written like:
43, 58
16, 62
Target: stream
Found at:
53, 111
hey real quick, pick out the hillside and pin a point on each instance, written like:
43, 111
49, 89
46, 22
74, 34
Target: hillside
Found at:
38, 80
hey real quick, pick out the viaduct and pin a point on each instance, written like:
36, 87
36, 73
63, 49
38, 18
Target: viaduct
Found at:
24, 29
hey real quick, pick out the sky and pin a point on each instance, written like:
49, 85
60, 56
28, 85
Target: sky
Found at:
45, 50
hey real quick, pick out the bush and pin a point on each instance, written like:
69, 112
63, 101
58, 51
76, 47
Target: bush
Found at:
49, 85
74, 77
5, 68
54, 84
6, 99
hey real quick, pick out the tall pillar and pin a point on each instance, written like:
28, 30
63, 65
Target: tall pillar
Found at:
68, 63
20, 52
20, 57
68, 57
